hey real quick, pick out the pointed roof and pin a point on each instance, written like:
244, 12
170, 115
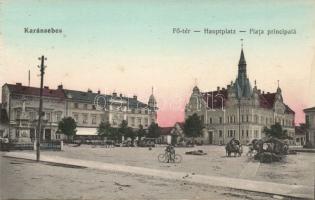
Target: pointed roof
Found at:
242, 60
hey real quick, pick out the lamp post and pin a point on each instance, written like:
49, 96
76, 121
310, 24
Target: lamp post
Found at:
239, 118
223, 110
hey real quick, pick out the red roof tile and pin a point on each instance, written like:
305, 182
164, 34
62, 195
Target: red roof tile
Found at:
267, 100
21, 89
300, 130
166, 130
217, 100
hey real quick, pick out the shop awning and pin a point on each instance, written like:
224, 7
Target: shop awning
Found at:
86, 131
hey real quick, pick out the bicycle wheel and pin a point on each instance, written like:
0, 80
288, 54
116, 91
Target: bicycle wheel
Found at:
162, 157
178, 158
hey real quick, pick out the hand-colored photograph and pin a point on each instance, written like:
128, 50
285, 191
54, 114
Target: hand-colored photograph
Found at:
157, 99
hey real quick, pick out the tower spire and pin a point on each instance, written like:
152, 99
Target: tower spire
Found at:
242, 62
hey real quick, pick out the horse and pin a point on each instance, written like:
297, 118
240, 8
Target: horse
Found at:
237, 149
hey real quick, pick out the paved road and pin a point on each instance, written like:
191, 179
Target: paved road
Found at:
296, 191
25, 179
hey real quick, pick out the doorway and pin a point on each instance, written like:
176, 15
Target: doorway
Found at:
210, 137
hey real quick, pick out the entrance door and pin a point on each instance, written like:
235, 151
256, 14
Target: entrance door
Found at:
32, 134
210, 137
47, 134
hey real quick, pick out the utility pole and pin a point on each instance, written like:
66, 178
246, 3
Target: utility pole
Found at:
40, 111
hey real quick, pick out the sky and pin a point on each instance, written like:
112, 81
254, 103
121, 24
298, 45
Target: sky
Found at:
129, 47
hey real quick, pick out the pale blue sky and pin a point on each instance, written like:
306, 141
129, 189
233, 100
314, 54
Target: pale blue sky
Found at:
132, 41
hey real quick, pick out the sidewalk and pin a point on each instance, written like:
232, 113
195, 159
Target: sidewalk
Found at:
297, 191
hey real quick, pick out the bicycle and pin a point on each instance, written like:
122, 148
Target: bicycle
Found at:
168, 157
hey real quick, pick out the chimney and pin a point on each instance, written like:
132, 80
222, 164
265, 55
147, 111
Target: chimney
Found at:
263, 92
223, 89
218, 89
46, 87
135, 97
259, 91
120, 95
89, 90
19, 84
60, 87
114, 94
98, 92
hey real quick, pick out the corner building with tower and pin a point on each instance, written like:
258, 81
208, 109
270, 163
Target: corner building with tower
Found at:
239, 111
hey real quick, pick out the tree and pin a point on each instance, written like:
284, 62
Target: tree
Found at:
140, 132
130, 134
104, 130
67, 126
154, 130
123, 128
193, 126
276, 131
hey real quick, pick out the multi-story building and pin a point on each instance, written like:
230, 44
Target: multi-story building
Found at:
239, 111
310, 124
89, 109
20, 106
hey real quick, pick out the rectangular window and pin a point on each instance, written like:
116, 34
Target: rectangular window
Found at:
32, 116
220, 119
247, 134
58, 116
234, 133
103, 117
210, 120
307, 121
256, 133
242, 133
85, 118
48, 116
220, 133
76, 105
132, 121
76, 117
146, 122
139, 120
242, 118
246, 118
18, 114
93, 119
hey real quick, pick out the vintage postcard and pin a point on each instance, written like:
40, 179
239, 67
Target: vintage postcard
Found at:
137, 99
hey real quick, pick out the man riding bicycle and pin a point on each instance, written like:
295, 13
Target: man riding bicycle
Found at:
170, 151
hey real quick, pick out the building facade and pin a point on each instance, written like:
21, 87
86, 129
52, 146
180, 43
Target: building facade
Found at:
239, 111
20, 106
90, 109
310, 124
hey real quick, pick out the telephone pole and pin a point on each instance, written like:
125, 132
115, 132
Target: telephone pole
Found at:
40, 111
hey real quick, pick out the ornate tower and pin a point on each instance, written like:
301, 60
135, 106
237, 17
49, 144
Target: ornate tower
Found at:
152, 102
242, 84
